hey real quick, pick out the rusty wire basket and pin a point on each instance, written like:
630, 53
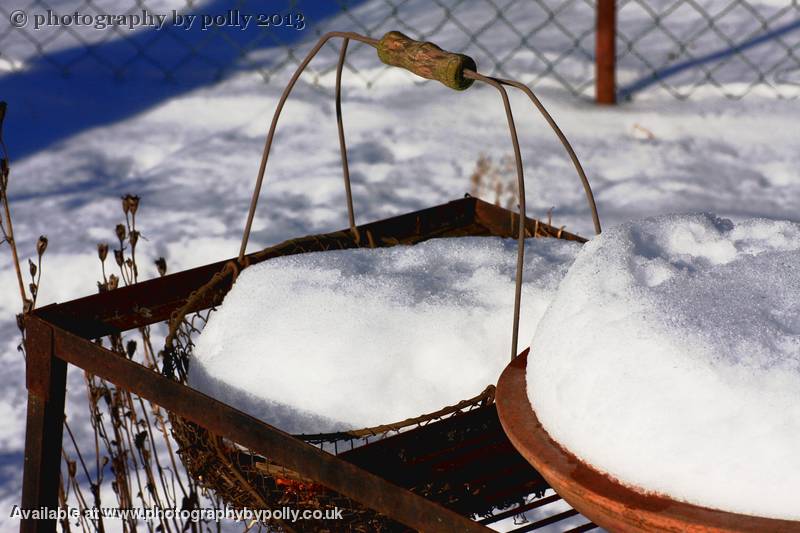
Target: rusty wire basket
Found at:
248, 480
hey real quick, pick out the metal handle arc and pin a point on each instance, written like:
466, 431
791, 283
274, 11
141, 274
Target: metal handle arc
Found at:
429, 61
347, 36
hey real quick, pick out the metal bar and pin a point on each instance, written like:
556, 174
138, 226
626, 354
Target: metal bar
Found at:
351, 217
605, 53
541, 502
46, 378
501, 222
345, 478
520, 198
151, 301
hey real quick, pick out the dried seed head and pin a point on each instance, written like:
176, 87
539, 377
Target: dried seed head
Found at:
41, 245
102, 251
134, 237
113, 282
133, 203
118, 257
102, 287
120, 230
161, 265
130, 348
130, 204
33, 288
32, 268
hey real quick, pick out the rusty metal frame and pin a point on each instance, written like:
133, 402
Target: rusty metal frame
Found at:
61, 334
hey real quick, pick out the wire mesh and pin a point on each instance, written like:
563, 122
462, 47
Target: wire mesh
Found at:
680, 46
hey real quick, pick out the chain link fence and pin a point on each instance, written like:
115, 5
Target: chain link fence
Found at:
731, 47
682, 47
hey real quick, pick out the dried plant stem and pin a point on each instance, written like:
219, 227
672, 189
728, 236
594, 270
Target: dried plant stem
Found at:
99, 526
7, 225
9, 237
131, 435
151, 362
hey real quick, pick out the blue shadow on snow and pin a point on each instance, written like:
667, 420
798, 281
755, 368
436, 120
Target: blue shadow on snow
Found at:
113, 80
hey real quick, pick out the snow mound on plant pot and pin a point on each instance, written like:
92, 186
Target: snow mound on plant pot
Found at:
353, 338
670, 359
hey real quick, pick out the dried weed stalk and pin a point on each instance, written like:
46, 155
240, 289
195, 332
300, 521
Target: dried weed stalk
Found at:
132, 435
496, 181
132, 451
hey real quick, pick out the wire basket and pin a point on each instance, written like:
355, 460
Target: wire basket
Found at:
245, 479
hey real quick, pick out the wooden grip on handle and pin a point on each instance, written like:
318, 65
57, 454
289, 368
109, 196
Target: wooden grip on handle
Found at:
426, 60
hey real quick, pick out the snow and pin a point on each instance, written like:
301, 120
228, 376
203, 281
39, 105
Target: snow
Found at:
670, 358
355, 338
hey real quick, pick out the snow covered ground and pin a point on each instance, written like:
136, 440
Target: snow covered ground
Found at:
192, 156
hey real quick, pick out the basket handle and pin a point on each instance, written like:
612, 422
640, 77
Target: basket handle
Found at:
456, 71
426, 60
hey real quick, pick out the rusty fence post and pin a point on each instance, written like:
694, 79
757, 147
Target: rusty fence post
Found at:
46, 379
605, 52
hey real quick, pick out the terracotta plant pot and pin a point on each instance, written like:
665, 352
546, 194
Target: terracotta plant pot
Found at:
597, 496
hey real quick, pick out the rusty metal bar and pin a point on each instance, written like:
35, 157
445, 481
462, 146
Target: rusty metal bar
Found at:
151, 301
605, 53
46, 379
351, 481
154, 300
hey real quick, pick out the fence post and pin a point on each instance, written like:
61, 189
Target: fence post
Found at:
605, 52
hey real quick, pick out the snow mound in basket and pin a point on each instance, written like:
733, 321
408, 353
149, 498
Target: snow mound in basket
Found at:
353, 338
670, 359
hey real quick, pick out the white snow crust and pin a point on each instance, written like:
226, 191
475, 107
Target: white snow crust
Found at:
352, 338
670, 359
